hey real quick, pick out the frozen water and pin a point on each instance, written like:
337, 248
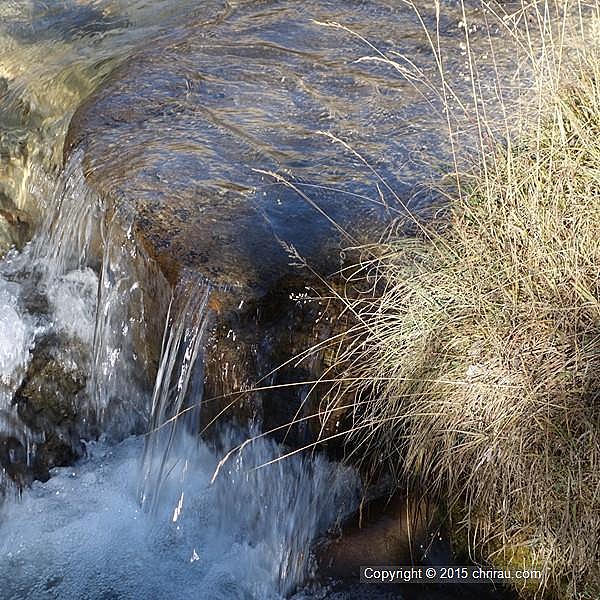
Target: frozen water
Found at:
83, 535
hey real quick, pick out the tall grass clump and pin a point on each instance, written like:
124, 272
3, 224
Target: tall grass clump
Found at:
474, 360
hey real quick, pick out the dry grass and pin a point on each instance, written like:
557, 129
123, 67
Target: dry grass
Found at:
474, 358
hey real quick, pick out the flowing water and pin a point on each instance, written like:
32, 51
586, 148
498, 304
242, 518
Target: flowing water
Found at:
161, 529
243, 537
82, 305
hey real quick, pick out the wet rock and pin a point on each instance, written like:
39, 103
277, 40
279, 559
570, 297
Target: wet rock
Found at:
15, 228
250, 149
48, 402
386, 531
252, 365
193, 131
13, 459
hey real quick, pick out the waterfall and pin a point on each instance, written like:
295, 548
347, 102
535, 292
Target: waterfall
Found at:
178, 388
286, 503
69, 233
85, 282
131, 296
46, 290
50, 293
83, 311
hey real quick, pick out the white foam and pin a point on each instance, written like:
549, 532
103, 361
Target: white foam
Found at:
16, 333
83, 535
73, 298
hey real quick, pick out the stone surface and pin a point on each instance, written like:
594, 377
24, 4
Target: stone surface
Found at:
185, 130
15, 228
250, 148
391, 531
48, 403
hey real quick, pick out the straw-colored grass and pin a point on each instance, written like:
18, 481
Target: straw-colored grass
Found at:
474, 359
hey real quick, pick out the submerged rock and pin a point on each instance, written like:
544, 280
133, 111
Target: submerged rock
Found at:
210, 138
213, 140
250, 147
385, 531
394, 531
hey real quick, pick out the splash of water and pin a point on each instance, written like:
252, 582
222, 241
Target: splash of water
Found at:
46, 291
244, 537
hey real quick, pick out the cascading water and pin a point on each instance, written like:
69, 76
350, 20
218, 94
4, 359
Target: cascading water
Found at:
285, 504
48, 292
17, 332
178, 388
75, 337
121, 371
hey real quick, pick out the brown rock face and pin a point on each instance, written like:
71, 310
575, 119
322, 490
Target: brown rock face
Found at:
388, 531
179, 135
223, 139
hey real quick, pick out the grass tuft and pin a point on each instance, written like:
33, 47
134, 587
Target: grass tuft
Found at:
474, 360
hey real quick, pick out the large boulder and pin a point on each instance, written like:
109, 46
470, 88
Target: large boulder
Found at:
250, 149
210, 139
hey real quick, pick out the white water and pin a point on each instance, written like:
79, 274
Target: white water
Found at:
119, 390
47, 289
84, 535
73, 300
177, 389
16, 333
71, 303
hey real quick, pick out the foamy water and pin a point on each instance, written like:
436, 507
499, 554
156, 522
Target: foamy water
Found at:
16, 333
73, 299
83, 535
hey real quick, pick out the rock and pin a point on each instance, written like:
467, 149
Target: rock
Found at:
195, 118
387, 531
48, 402
394, 531
15, 228
249, 150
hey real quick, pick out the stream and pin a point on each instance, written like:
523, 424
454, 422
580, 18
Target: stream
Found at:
138, 143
